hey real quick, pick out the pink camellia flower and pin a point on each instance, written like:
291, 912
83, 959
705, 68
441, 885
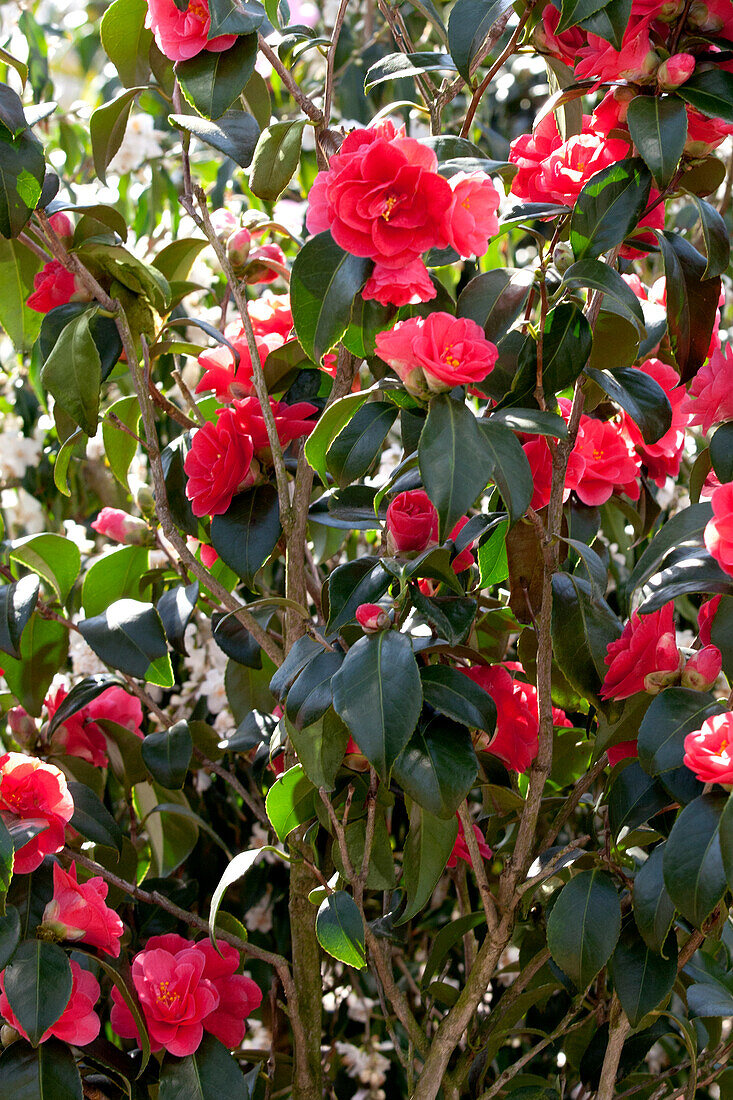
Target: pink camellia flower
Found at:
565, 172
271, 315
702, 669
372, 618
623, 751
222, 375
32, 790
530, 151
219, 464
404, 286
435, 353
291, 421
209, 556
709, 400
224, 223
647, 648
239, 245
54, 286
704, 133
181, 35
675, 71
122, 527
563, 46
239, 996
259, 268
412, 522
62, 225
610, 114
472, 216
460, 848
611, 464
705, 617
662, 459
78, 1024
709, 750
78, 911
81, 736
719, 530
382, 197
516, 740
636, 60
540, 463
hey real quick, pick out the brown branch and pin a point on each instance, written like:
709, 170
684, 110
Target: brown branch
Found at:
505, 53
306, 105
487, 898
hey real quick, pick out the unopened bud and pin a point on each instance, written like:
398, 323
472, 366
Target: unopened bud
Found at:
61, 225
354, 758
224, 224
209, 556
145, 501
675, 71
703, 668
118, 525
238, 249
8, 1035
703, 19
22, 726
668, 657
669, 11
372, 618
562, 256
654, 682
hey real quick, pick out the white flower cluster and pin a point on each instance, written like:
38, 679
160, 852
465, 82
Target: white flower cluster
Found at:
367, 1065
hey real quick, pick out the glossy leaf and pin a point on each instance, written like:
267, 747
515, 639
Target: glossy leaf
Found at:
247, 533
127, 41
46, 1073
38, 986
455, 459
236, 869
686, 526
129, 637
235, 17
54, 558
633, 798
653, 907
693, 864
643, 979
208, 1074
22, 170
340, 929
323, 283
212, 81
721, 452
18, 266
584, 926
116, 576
605, 280
609, 207
276, 159
17, 603
469, 25
334, 420
711, 92
320, 747
583, 625
428, 847
235, 134
451, 693
92, 819
357, 446
119, 445
43, 650
640, 396
362, 581
290, 801
658, 128
176, 607
726, 840
495, 299
395, 66
671, 716
107, 130
167, 755
310, 696
715, 234
692, 303
438, 767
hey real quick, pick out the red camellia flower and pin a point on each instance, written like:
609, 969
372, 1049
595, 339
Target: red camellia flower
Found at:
611, 464
221, 373
702, 669
565, 45
412, 522
530, 151
54, 286
81, 736
472, 216
78, 1024
239, 996
400, 287
709, 750
372, 618
291, 422
675, 71
218, 465
719, 530
565, 172
517, 727
662, 459
258, 269
271, 315
460, 848
646, 648
704, 133
78, 911
709, 399
382, 197
435, 353
182, 34
705, 617
623, 751
636, 60
32, 790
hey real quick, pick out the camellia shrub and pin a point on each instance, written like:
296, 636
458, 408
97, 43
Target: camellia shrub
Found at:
366, 470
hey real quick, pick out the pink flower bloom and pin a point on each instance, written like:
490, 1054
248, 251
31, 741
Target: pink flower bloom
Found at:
529, 152
181, 35
239, 996
435, 353
78, 1024
407, 285
517, 727
81, 736
472, 216
662, 459
610, 114
719, 530
271, 315
705, 617
709, 750
31, 790
710, 396
702, 669
221, 375
647, 647
122, 527
460, 848
218, 465
565, 45
611, 464
412, 522
675, 71
291, 421
78, 911
635, 61
54, 286
565, 172
540, 463
372, 618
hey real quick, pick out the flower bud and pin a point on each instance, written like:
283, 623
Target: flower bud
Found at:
8, 1035
354, 758
703, 668
209, 556
669, 11
372, 618
675, 71
703, 19
55, 928
62, 226
224, 224
258, 271
562, 256
667, 654
654, 682
22, 726
145, 501
412, 523
238, 248
118, 525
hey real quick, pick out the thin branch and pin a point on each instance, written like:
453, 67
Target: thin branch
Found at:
487, 898
340, 16
505, 53
306, 105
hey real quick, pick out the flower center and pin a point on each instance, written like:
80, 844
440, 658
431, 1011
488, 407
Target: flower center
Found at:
198, 8
164, 995
597, 454
387, 212
451, 359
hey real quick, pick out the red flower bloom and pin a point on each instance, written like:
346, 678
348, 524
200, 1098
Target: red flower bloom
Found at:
81, 736
31, 790
258, 269
239, 996
719, 530
218, 465
709, 750
54, 286
291, 422
517, 727
412, 522
529, 152
611, 464
183, 34
565, 172
435, 353
405, 286
460, 848
565, 45
636, 60
472, 216
705, 617
78, 911
646, 648
78, 1024
221, 375
704, 133
271, 315
622, 751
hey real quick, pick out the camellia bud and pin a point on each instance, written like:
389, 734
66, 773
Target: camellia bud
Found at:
703, 19
675, 71
669, 11
22, 726
8, 1035
354, 758
209, 556
702, 669
654, 682
118, 525
224, 224
61, 225
238, 248
562, 256
58, 929
259, 272
669, 661
145, 501
372, 618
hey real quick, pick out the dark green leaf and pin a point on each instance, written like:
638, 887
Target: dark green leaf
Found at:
210, 1073
320, 747
129, 636
658, 128
721, 451
235, 17
653, 907
640, 396
290, 801
80, 696
72, 373
583, 625
333, 421
643, 978
531, 422
438, 767
18, 266
46, 1073
609, 207
692, 303
456, 459
357, 446
427, 850
604, 279
584, 926
610, 22
711, 91
340, 929
126, 41
715, 233
686, 527
235, 640
310, 696
107, 129
447, 938
510, 470
722, 634
726, 840
236, 869
495, 299
54, 558
469, 25
212, 81
38, 986
671, 716
362, 581
167, 755
92, 818
451, 693
634, 797
276, 158
323, 283
398, 65
573, 11
247, 533
22, 169
708, 999
566, 346
693, 864
690, 569
17, 604
175, 607
304, 650
43, 650
235, 135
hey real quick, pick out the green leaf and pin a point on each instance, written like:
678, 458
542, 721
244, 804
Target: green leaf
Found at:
685, 527
9, 935
633, 798
176, 608
573, 12
112, 972
167, 755
396, 66
107, 129
235, 135
510, 469
17, 604
18, 266
119, 446
46, 1073
643, 978
181, 809
176, 259
567, 343
276, 158
340, 929
53, 557
609, 207
22, 170
438, 767
584, 926
495, 299
355, 582
212, 81
235, 17
120, 264
451, 693
692, 303
469, 25
583, 625
653, 907
304, 650
721, 451
126, 41
290, 801
378, 694
715, 234
129, 636
357, 446
693, 864
456, 461
92, 818
172, 836
320, 747
726, 840
492, 557
708, 999
63, 458
236, 869
428, 847
43, 650
658, 127
210, 1073
673, 714
248, 532
640, 396
323, 283
604, 279
333, 421
38, 986
711, 92
531, 422
722, 634
114, 577
310, 696
72, 374
7, 853
610, 22
12, 116
447, 938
